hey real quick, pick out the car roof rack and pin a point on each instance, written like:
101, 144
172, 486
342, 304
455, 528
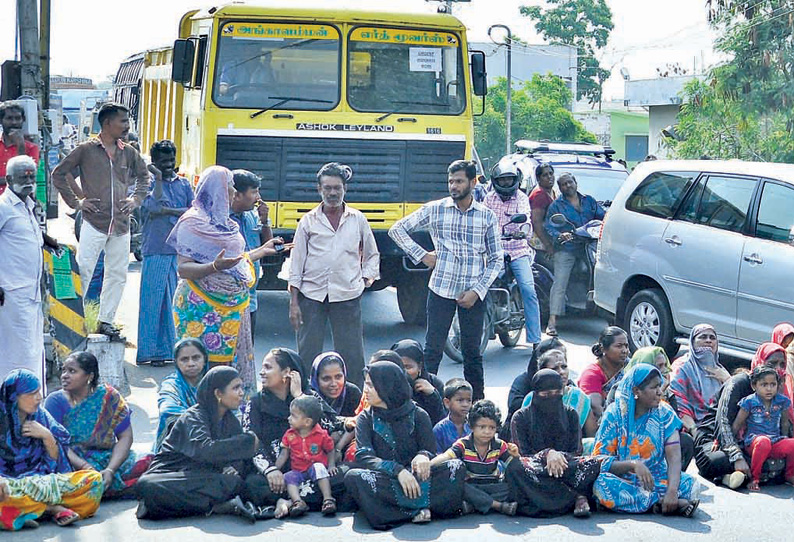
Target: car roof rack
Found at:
531, 147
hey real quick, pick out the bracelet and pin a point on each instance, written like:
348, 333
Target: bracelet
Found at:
213, 266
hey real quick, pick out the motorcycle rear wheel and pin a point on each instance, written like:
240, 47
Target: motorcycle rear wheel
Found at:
510, 338
452, 346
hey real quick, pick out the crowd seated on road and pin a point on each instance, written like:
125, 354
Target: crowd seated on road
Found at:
317, 443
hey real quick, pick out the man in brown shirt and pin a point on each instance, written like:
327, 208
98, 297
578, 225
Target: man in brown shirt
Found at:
108, 168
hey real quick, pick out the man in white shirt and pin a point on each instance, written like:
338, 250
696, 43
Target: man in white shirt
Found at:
21, 319
334, 258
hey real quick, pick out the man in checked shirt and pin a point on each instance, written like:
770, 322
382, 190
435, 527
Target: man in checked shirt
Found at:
466, 260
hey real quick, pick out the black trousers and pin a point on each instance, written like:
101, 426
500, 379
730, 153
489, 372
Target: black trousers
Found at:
440, 312
482, 496
346, 329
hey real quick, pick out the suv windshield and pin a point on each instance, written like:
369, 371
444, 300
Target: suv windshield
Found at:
600, 183
405, 71
277, 66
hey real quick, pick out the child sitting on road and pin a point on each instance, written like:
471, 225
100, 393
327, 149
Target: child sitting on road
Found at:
765, 415
484, 457
457, 400
308, 447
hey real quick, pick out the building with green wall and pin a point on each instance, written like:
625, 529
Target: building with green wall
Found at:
624, 131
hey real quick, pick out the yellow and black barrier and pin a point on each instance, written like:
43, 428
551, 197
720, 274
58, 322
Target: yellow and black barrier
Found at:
64, 301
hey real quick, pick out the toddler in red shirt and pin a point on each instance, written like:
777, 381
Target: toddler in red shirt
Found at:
307, 446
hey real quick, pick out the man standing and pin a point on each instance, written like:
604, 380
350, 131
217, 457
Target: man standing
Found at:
578, 209
108, 167
467, 259
21, 319
13, 143
254, 225
506, 200
169, 196
334, 258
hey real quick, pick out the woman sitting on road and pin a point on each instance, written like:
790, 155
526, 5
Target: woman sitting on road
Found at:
555, 479
598, 379
35, 475
428, 389
639, 435
216, 274
783, 334
99, 421
178, 390
717, 452
697, 376
522, 384
329, 380
201, 465
267, 416
394, 445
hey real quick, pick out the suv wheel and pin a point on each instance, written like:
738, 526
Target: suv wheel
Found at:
648, 322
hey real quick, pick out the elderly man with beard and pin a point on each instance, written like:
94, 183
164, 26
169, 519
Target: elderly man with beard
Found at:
467, 259
21, 239
333, 259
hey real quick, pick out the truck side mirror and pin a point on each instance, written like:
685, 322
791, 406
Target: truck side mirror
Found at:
479, 78
183, 59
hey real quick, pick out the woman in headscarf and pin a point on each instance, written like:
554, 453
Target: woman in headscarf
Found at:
394, 445
35, 473
216, 274
203, 460
657, 357
329, 380
99, 422
783, 334
639, 439
428, 389
178, 390
554, 478
717, 452
267, 416
697, 376
522, 384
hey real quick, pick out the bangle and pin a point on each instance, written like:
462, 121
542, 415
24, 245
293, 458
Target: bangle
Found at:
214, 267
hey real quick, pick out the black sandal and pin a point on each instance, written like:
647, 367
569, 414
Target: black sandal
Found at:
329, 507
298, 509
689, 510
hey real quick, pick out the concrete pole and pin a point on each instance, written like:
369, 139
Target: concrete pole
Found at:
44, 52
509, 106
27, 16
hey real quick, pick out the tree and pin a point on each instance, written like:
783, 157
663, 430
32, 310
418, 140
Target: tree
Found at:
584, 24
744, 109
539, 110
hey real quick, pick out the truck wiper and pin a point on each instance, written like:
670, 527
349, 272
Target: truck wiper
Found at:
284, 99
393, 111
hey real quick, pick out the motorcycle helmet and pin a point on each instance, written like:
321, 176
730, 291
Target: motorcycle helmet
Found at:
505, 169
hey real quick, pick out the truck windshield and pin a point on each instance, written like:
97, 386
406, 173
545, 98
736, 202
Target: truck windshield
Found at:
405, 71
259, 63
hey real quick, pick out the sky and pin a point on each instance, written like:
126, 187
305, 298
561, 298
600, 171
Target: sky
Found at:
90, 38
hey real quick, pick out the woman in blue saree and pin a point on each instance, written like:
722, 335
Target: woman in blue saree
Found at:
178, 390
639, 437
99, 421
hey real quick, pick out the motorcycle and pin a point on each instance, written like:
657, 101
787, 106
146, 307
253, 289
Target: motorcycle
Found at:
136, 230
504, 306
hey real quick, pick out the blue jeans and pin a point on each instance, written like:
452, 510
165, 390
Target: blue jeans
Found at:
522, 270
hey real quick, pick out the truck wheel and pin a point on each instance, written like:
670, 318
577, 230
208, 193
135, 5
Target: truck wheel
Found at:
412, 300
648, 322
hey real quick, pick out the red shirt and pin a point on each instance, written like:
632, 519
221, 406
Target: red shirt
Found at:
592, 380
8, 152
304, 452
539, 199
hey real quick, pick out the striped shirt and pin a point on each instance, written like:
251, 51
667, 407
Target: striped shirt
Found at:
468, 248
480, 469
518, 203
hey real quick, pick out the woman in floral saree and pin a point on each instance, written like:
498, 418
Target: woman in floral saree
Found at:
216, 274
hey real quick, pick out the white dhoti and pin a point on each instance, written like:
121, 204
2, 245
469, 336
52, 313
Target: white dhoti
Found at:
21, 335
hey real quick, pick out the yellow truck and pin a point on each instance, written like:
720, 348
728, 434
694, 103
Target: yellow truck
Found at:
280, 92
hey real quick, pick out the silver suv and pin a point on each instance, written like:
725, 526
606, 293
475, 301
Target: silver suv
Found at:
686, 242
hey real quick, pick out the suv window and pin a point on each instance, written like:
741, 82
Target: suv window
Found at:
660, 193
776, 214
724, 202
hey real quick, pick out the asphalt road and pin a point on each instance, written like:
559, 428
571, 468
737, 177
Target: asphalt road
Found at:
724, 515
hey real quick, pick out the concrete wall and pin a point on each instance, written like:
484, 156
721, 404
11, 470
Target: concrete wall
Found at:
612, 127
660, 117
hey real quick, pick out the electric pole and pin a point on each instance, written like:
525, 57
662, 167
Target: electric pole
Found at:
508, 108
30, 48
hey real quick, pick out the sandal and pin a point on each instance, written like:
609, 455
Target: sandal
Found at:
298, 509
582, 509
423, 516
689, 510
551, 331
65, 517
753, 485
508, 508
329, 507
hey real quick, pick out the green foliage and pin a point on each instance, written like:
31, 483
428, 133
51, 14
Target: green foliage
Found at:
539, 111
745, 110
584, 24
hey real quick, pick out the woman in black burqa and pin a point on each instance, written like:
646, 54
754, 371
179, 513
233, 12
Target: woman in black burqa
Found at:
202, 462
